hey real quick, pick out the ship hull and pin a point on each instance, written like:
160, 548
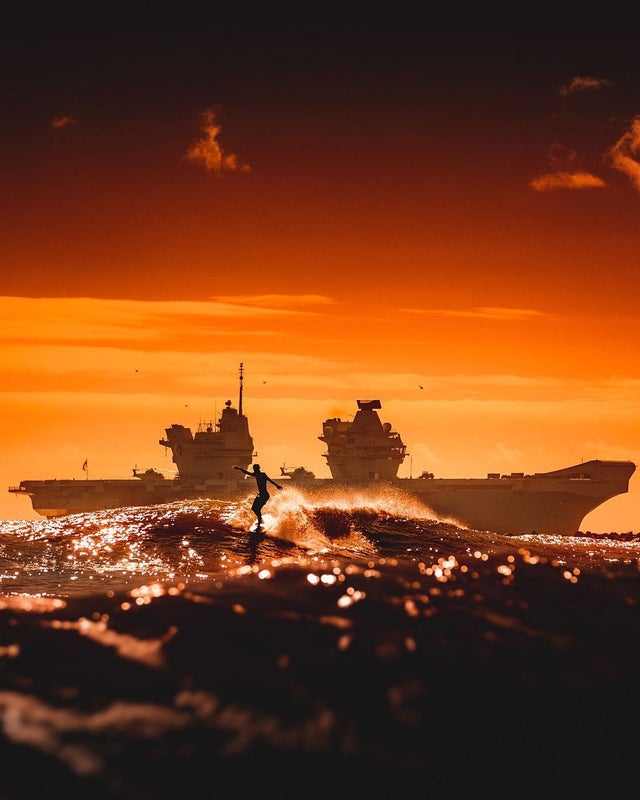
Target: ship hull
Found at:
542, 503
58, 498
548, 503
551, 502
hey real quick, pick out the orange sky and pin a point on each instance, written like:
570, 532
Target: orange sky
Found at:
352, 209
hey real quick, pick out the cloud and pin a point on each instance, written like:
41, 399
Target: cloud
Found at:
564, 171
276, 300
624, 154
584, 84
82, 319
552, 181
63, 121
483, 312
208, 152
503, 453
562, 158
564, 175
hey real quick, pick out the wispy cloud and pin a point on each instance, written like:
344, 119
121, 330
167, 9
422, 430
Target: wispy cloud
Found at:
552, 181
207, 151
83, 319
278, 301
63, 121
564, 173
504, 454
584, 84
625, 153
483, 312
564, 170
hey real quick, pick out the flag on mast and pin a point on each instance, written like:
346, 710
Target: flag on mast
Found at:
85, 466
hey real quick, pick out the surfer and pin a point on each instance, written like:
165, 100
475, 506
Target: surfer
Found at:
263, 495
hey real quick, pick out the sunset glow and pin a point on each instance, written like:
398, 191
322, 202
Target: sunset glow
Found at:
442, 217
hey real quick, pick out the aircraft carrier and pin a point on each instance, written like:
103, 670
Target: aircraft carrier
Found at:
362, 453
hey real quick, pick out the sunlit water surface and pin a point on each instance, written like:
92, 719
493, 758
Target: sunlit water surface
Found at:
358, 646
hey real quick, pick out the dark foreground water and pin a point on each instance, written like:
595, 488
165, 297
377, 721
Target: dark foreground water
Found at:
360, 649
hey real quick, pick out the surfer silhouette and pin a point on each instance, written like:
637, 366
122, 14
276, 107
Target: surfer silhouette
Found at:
263, 495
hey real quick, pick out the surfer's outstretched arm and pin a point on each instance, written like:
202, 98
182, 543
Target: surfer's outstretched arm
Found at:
246, 472
277, 485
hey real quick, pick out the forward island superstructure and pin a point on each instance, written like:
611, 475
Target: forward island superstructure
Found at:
210, 454
363, 453
204, 462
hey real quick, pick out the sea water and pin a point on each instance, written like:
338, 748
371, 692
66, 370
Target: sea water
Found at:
359, 648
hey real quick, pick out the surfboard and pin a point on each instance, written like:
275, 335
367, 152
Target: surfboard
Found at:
268, 524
